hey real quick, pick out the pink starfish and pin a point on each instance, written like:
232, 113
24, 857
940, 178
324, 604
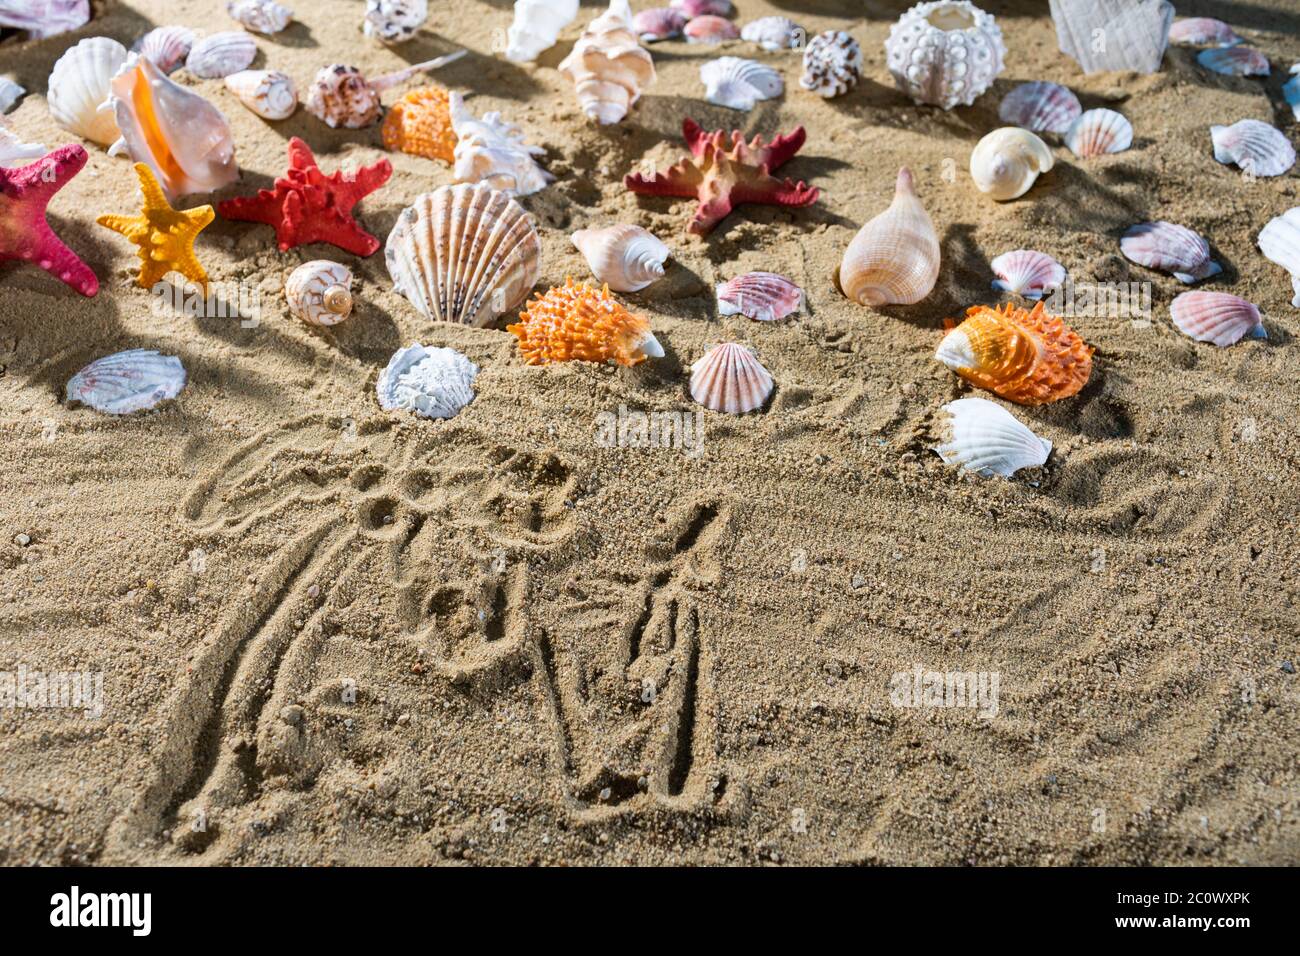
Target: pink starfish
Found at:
24, 233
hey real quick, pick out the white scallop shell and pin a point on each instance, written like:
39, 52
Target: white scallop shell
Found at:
394, 21
1027, 272
626, 258
832, 64
945, 53
774, 34
1168, 247
268, 93
260, 16
986, 438
1257, 148
166, 46
127, 381
1216, 317
1097, 132
10, 93
80, 84
738, 84
492, 150
1041, 107
728, 378
1108, 35
1280, 243
1202, 31
320, 292
221, 54
762, 296
536, 27
430, 382
14, 152
1235, 61
1007, 162
658, 23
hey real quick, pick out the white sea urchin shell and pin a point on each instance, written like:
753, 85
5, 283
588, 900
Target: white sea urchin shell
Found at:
945, 53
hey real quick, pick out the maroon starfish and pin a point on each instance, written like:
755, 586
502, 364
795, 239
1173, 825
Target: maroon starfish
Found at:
308, 206
24, 232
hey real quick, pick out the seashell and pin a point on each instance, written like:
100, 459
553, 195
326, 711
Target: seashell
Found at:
537, 26
774, 34
1216, 317
166, 46
1026, 357
14, 152
1040, 107
320, 292
491, 150
1027, 273
728, 378
1234, 61
607, 66
260, 16
945, 53
178, 134
1007, 162
10, 93
1134, 33
126, 382
464, 254
625, 258
710, 30
394, 21
738, 83
217, 56
658, 23
420, 124
1171, 248
691, 9
832, 64
1280, 243
763, 296
341, 95
576, 323
1290, 91
1097, 132
1202, 31
44, 18
429, 382
268, 93
80, 84
1257, 148
985, 438
894, 258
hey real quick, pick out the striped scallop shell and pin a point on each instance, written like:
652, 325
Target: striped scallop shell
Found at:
738, 83
1257, 148
1234, 61
1202, 31
428, 382
1041, 107
166, 46
1280, 243
774, 34
658, 23
763, 296
728, 378
1168, 247
260, 16
1216, 317
221, 54
126, 382
80, 84
711, 30
1028, 273
319, 292
268, 93
1097, 132
985, 438
626, 258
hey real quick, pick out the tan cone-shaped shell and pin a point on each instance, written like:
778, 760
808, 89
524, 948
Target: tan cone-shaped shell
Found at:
894, 259
626, 258
609, 68
268, 93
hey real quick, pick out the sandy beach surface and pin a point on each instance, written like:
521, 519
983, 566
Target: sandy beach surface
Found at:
333, 635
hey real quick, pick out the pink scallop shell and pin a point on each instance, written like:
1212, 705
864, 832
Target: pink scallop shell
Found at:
166, 46
1258, 148
1234, 61
763, 296
659, 23
1028, 273
1167, 247
710, 29
1202, 31
1216, 317
703, 8
1040, 107
728, 378
1097, 132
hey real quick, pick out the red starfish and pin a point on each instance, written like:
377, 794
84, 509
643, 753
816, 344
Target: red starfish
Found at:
24, 232
722, 178
308, 206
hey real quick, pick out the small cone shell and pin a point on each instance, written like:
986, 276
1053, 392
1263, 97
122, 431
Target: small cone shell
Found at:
577, 323
268, 93
894, 259
626, 258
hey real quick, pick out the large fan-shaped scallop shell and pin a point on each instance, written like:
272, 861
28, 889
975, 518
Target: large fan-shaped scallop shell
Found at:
985, 438
738, 83
80, 84
420, 124
578, 323
429, 382
894, 258
466, 254
217, 56
626, 258
728, 378
260, 16
268, 93
1202, 31
1027, 272
320, 292
1168, 247
774, 34
126, 382
1026, 357
763, 296
1257, 148
1041, 107
1006, 163
14, 152
658, 23
536, 27
394, 21
1234, 61
1280, 243
1216, 317
1097, 132
166, 46
607, 66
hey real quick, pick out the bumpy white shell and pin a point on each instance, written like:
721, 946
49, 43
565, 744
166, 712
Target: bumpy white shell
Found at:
166, 46
79, 86
260, 16
1007, 162
537, 26
728, 378
832, 64
1108, 35
430, 382
985, 438
492, 150
320, 292
945, 53
624, 257
268, 93
1216, 317
14, 152
10, 93
1097, 132
774, 34
1259, 149
464, 254
738, 83
1168, 247
1027, 272
894, 258
1202, 31
1280, 243
1235, 61
1040, 107
217, 56
394, 21
607, 66
763, 296
126, 382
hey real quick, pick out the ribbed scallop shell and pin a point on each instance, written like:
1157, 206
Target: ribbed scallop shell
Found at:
126, 382
14, 152
1280, 243
10, 93
710, 30
578, 323
536, 27
268, 93
945, 53
985, 438
1202, 31
80, 84
394, 21
1216, 317
763, 296
894, 258
464, 254
703, 8
624, 257
217, 56
260, 16
1006, 163
1041, 107
1097, 132
832, 64
774, 34
1027, 272
658, 23
728, 378
166, 46
1257, 148
429, 382
320, 292
1026, 357
738, 84
420, 124
1234, 61
492, 150
1168, 247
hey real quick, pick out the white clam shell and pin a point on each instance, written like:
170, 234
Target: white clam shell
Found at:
1280, 243
492, 150
1097, 132
832, 64
319, 292
217, 56
626, 258
260, 16
894, 258
762, 296
268, 93
738, 83
608, 67
1133, 33
536, 27
1202, 31
14, 152
1216, 317
394, 21
1257, 148
1168, 247
774, 34
1041, 107
945, 53
80, 84
10, 93
1235, 61
126, 382
1028, 273
985, 438
1008, 161
728, 378
430, 382
166, 46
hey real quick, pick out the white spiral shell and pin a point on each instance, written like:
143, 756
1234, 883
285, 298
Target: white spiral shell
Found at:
774, 34
260, 16
320, 292
126, 382
268, 93
1257, 148
738, 84
626, 258
429, 382
80, 84
894, 258
1008, 161
536, 27
217, 56
985, 438
728, 378
945, 53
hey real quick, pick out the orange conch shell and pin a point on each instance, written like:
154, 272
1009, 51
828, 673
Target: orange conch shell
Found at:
420, 124
1025, 357
575, 322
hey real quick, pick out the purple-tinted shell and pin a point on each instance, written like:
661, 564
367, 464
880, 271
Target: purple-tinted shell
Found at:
1040, 107
1027, 272
1202, 31
1234, 61
710, 29
658, 23
166, 46
1259, 149
763, 296
702, 8
1216, 317
1167, 247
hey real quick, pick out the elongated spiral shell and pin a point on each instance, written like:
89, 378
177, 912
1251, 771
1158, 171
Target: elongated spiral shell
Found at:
894, 258
626, 258
578, 323
320, 292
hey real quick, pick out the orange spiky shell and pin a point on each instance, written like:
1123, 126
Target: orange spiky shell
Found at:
420, 124
1027, 357
576, 322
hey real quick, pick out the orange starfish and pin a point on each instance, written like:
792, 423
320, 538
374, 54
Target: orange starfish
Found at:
165, 235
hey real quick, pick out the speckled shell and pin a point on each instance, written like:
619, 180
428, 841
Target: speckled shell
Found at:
341, 96
221, 54
1040, 107
126, 382
1280, 243
738, 84
1097, 132
578, 323
1028, 273
166, 46
607, 66
945, 53
985, 438
1025, 357
492, 150
1216, 317
1202, 31
728, 378
658, 23
710, 30
624, 257
1006, 163
1234, 61
894, 258
14, 152
536, 27
260, 16
420, 124
268, 93
394, 21
762, 296
832, 64
428, 382
320, 292
1168, 247
79, 86
1257, 148
774, 34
